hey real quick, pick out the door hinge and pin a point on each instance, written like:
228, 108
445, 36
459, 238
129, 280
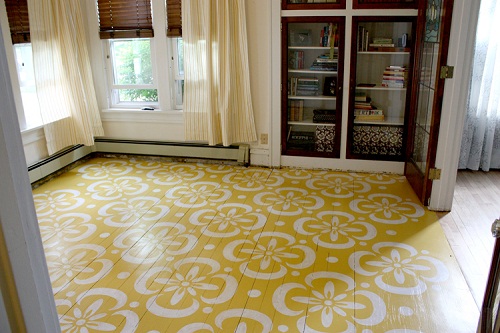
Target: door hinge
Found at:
447, 72
434, 174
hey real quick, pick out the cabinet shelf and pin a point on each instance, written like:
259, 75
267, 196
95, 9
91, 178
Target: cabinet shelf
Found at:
324, 48
309, 122
318, 98
388, 121
308, 71
383, 53
380, 88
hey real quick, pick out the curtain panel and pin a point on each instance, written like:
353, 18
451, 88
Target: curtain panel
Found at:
63, 75
481, 136
217, 99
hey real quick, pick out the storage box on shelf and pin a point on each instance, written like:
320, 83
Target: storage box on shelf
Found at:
311, 91
381, 62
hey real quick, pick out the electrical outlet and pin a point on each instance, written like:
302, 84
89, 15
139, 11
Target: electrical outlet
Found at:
263, 139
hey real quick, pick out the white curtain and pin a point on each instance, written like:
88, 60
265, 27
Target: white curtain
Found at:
217, 99
481, 139
63, 75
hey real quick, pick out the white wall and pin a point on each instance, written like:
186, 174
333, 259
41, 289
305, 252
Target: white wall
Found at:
168, 125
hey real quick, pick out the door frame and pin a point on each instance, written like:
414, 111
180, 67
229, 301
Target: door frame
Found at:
460, 55
421, 183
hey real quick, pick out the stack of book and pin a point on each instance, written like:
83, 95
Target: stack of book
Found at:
395, 77
380, 42
304, 86
325, 62
296, 110
296, 59
324, 116
300, 140
364, 110
329, 36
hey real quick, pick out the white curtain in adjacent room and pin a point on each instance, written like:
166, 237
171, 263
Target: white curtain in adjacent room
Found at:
62, 73
217, 99
481, 139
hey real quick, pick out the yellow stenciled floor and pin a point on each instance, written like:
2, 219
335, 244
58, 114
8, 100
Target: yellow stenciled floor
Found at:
150, 246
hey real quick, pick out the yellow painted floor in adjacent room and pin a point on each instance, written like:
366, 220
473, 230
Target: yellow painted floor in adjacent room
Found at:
152, 246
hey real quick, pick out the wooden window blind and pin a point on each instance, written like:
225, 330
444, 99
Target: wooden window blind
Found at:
17, 13
174, 18
125, 18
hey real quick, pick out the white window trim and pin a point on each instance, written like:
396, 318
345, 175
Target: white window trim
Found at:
11, 61
163, 62
113, 93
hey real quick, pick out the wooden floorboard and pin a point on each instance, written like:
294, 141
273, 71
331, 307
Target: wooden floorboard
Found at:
135, 246
476, 205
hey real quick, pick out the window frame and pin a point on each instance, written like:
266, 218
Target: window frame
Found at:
113, 87
163, 62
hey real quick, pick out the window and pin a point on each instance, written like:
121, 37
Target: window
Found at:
26, 75
132, 72
179, 73
144, 68
17, 16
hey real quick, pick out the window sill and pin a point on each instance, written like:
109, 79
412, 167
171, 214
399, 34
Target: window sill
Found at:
142, 116
33, 134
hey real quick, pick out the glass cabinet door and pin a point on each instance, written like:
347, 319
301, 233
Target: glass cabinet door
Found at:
312, 70
380, 86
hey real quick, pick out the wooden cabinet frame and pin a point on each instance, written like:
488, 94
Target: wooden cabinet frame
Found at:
385, 4
285, 5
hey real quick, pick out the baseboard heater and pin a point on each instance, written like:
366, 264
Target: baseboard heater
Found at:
237, 153
56, 162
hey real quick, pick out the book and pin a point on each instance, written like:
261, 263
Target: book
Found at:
375, 117
360, 96
295, 59
381, 45
382, 40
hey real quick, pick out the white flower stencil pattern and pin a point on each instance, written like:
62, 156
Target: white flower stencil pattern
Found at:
288, 201
228, 220
105, 170
57, 201
98, 310
338, 185
387, 208
118, 187
269, 255
332, 303
399, 268
335, 230
181, 291
198, 194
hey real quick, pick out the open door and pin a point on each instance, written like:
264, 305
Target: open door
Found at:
430, 71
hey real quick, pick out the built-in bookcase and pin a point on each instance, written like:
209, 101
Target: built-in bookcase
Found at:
368, 119
380, 86
312, 78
